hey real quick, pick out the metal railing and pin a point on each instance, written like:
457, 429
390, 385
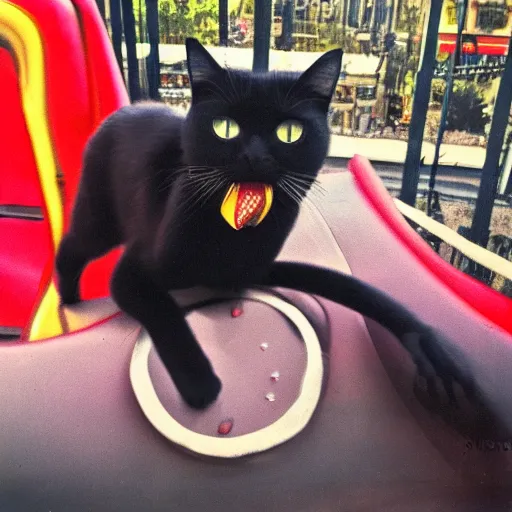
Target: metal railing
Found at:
456, 67
474, 252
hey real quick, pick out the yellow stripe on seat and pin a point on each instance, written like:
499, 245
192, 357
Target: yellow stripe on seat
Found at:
20, 32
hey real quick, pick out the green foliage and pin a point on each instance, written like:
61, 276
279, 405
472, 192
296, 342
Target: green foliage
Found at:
248, 7
183, 18
438, 89
421, 204
466, 111
139, 11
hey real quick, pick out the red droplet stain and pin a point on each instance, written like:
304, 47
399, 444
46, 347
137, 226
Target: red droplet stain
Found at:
236, 312
225, 427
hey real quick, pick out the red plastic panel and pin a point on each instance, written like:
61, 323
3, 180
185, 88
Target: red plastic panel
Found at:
25, 252
69, 111
106, 89
19, 181
77, 51
95, 281
488, 302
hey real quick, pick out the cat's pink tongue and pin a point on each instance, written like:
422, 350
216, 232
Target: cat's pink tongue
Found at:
246, 204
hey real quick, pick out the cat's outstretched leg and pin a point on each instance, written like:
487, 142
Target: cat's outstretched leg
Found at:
75, 251
138, 295
70, 263
428, 348
94, 230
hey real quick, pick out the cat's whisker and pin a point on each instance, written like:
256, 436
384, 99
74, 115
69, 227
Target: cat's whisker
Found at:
190, 171
290, 192
205, 188
301, 191
236, 94
307, 184
300, 175
303, 176
286, 97
199, 175
203, 167
311, 194
277, 96
204, 170
199, 187
304, 202
192, 182
204, 185
202, 198
191, 177
296, 194
299, 181
303, 187
191, 168
218, 89
213, 190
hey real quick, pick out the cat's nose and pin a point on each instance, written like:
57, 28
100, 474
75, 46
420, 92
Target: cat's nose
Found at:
254, 150
256, 164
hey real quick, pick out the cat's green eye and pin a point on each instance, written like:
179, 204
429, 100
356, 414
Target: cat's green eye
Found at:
289, 131
225, 128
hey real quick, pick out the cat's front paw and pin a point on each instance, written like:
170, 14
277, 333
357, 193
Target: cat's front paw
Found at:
440, 364
198, 390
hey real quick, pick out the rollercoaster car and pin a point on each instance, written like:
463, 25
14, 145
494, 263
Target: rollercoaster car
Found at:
321, 408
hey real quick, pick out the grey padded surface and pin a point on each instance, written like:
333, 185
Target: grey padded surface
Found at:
72, 437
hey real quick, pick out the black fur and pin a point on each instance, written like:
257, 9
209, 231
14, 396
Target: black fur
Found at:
154, 182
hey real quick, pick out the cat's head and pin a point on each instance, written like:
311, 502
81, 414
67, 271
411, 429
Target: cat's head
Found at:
256, 138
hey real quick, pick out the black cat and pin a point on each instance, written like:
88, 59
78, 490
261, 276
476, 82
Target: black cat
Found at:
209, 200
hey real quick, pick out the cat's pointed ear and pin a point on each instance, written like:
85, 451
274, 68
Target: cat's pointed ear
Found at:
320, 79
202, 67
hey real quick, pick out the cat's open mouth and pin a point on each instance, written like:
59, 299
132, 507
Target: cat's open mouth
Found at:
246, 204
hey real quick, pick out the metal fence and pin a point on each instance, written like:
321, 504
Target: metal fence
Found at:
421, 50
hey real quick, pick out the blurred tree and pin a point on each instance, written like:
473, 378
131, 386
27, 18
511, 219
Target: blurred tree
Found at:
438, 88
248, 7
141, 16
183, 18
409, 22
467, 109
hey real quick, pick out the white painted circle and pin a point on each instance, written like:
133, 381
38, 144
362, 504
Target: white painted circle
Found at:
287, 426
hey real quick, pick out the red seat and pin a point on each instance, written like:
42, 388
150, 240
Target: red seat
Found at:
25, 250
81, 86
25, 246
19, 181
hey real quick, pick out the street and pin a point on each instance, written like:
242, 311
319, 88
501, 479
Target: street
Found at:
394, 151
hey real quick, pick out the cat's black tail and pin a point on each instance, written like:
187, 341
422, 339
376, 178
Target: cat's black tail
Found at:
346, 290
